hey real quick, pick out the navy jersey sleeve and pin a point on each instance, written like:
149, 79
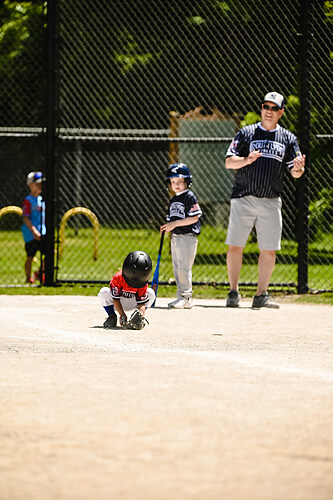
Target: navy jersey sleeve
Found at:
238, 146
292, 151
192, 205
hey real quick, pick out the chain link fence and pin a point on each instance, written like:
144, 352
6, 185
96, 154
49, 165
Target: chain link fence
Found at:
22, 110
140, 84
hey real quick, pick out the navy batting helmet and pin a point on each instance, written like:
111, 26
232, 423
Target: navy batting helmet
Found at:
179, 170
137, 269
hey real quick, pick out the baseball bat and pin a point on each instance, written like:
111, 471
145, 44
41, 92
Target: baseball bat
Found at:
154, 283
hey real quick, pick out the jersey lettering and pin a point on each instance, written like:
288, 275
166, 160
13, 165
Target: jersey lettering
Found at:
269, 149
177, 210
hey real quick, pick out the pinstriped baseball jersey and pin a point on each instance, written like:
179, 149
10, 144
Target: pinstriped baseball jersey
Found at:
264, 177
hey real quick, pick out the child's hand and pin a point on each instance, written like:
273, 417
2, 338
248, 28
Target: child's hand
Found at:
36, 233
169, 226
123, 320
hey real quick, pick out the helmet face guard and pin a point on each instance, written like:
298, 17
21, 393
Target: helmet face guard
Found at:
179, 170
137, 269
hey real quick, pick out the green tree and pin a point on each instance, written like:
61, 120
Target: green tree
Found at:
22, 56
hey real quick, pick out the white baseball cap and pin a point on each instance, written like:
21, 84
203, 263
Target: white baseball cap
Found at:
35, 177
278, 99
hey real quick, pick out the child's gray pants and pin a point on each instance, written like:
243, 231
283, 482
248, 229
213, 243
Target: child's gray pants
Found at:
183, 251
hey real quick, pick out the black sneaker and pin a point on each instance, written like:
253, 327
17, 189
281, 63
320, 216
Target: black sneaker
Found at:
233, 299
264, 300
111, 321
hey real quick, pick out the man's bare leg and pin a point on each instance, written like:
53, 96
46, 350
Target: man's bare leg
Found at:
266, 265
234, 265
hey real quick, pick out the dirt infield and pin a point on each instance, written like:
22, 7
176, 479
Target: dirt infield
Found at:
203, 404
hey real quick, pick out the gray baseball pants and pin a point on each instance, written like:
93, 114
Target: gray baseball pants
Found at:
183, 251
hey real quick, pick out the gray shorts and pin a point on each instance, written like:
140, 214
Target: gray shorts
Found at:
263, 213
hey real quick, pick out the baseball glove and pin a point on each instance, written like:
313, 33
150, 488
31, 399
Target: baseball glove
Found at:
137, 321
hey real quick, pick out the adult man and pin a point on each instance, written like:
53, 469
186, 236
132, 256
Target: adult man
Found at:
260, 154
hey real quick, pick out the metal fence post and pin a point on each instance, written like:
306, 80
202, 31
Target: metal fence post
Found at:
50, 139
305, 52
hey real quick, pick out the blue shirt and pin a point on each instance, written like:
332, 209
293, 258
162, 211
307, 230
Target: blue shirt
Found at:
34, 209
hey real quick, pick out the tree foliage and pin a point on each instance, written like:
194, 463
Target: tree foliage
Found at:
22, 50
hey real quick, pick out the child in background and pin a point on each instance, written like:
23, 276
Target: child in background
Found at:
183, 223
128, 291
33, 227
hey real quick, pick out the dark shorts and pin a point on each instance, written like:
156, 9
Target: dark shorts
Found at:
34, 246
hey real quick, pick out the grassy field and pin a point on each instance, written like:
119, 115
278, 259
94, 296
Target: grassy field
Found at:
77, 262
200, 292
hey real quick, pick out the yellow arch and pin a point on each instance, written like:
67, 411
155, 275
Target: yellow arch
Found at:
73, 211
11, 209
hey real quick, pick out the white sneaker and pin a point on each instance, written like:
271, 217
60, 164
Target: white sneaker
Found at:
177, 304
189, 303
181, 304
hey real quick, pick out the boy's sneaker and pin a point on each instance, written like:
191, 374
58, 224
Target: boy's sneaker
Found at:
111, 321
177, 304
182, 303
188, 303
233, 299
264, 300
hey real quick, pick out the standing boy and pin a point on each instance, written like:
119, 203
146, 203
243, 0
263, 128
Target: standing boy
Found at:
260, 154
33, 228
183, 223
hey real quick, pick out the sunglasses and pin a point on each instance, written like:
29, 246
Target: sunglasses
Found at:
270, 108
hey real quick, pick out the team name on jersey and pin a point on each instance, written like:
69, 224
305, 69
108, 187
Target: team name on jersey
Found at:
177, 210
123, 293
126, 294
269, 149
